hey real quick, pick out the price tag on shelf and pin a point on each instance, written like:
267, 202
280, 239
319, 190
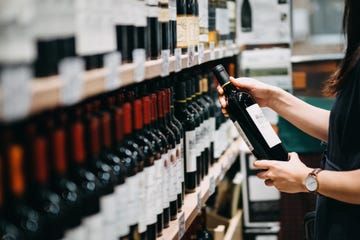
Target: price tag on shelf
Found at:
191, 56
181, 231
199, 202
221, 49
178, 63
201, 53
222, 172
139, 64
212, 50
212, 185
165, 56
229, 50
15, 91
71, 74
112, 62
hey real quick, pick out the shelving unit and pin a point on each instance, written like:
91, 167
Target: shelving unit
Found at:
193, 201
45, 93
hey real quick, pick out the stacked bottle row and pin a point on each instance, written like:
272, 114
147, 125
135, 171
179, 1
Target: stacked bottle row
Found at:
116, 166
53, 31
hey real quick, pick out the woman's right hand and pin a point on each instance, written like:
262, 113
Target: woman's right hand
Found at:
261, 92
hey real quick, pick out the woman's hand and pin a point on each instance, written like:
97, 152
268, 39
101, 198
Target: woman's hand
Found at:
261, 92
286, 176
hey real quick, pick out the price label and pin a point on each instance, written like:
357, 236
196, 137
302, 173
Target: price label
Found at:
199, 202
222, 172
178, 63
139, 64
211, 185
181, 225
71, 73
191, 56
221, 49
200, 53
229, 50
165, 56
212, 50
15, 90
112, 61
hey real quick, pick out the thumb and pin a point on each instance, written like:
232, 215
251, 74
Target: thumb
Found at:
243, 82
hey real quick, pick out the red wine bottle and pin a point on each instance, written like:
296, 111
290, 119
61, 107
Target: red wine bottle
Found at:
188, 123
250, 121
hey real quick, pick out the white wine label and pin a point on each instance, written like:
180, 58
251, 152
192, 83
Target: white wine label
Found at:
150, 195
141, 201
112, 62
166, 180
199, 201
108, 209
181, 28
200, 53
179, 170
178, 63
15, 91
191, 55
139, 64
243, 136
122, 209
172, 9
182, 157
190, 150
94, 226
212, 185
158, 178
173, 175
71, 73
203, 13
133, 195
77, 233
212, 50
165, 57
264, 126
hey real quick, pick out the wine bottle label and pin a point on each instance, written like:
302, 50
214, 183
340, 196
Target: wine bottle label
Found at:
163, 15
231, 6
263, 125
133, 195
152, 11
172, 10
203, 13
122, 212
108, 209
222, 21
173, 175
140, 12
179, 171
243, 136
150, 195
94, 226
181, 28
158, 178
212, 130
190, 151
182, 168
141, 200
165, 180
77, 233
198, 142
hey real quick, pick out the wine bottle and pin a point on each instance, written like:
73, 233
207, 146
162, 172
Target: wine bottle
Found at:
246, 16
213, 33
203, 233
153, 32
231, 6
164, 22
141, 24
204, 22
250, 121
173, 29
40, 196
181, 25
188, 122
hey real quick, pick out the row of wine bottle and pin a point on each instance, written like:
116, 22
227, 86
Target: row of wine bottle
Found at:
116, 166
52, 31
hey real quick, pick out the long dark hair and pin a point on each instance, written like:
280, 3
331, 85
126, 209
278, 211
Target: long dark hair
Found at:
351, 29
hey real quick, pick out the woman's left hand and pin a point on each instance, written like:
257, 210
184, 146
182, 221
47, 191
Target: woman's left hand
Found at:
286, 176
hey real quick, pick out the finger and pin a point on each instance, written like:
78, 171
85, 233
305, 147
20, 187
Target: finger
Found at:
269, 182
262, 175
224, 112
243, 82
223, 102
220, 90
263, 164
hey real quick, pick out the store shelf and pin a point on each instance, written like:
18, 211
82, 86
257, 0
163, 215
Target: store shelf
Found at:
46, 93
194, 201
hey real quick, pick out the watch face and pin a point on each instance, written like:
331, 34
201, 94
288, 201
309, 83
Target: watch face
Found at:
311, 183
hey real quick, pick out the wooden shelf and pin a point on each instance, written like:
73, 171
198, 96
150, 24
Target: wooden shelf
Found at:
45, 93
192, 201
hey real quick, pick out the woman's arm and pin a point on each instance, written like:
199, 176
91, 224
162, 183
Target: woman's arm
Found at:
310, 119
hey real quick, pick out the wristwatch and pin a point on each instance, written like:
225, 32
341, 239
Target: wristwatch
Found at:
311, 181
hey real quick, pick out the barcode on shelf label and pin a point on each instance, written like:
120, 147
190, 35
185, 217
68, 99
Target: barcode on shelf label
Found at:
212, 50
211, 185
15, 91
112, 61
178, 63
165, 56
139, 64
71, 74
201, 53
181, 225
199, 202
191, 55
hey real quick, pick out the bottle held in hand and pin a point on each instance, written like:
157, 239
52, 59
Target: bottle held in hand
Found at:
250, 121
